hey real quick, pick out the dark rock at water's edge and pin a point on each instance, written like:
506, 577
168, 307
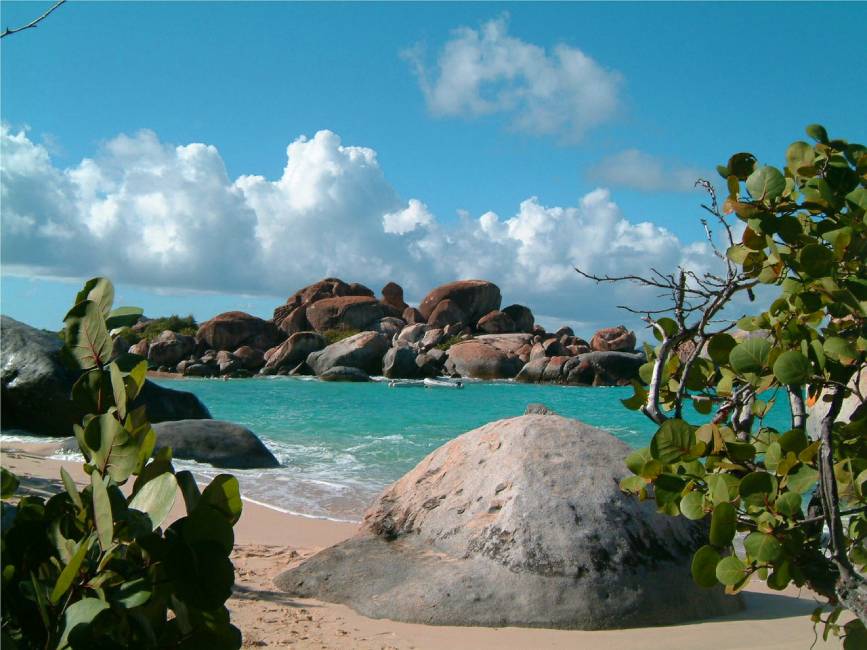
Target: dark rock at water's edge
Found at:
35, 383
363, 351
221, 444
518, 523
344, 373
36, 386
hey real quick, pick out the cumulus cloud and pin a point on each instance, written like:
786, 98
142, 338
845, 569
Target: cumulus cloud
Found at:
638, 170
485, 71
154, 214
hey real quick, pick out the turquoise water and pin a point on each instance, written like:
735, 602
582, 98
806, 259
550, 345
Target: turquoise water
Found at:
339, 443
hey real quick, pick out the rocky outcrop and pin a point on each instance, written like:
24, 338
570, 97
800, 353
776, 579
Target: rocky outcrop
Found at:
363, 351
250, 358
292, 317
140, 349
35, 383
496, 322
344, 313
291, 352
169, 348
392, 296
615, 339
447, 312
589, 369
518, 523
344, 373
233, 329
412, 315
399, 363
166, 404
487, 357
218, 443
521, 316
474, 298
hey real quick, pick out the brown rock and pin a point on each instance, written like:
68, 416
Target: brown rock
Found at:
250, 358
475, 298
479, 360
326, 288
344, 312
614, 339
521, 316
169, 348
233, 329
447, 312
292, 351
412, 316
392, 295
140, 348
496, 322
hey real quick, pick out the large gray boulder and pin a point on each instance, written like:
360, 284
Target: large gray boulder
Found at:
36, 385
363, 351
520, 522
292, 351
590, 368
219, 443
490, 356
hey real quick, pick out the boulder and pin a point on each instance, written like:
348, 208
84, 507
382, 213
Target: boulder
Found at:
553, 348
615, 339
198, 370
592, 368
564, 331
250, 358
292, 351
363, 350
412, 334
344, 373
496, 322
392, 295
140, 348
389, 326
292, 317
344, 313
518, 523
233, 329
430, 364
475, 358
219, 443
537, 408
475, 298
227, 363
521, 316
432, 338
446, 313
400, 363
412, 315
166, 404
35, 384
169, 348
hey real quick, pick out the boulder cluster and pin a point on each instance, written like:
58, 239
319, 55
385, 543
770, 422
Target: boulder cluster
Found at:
341, 331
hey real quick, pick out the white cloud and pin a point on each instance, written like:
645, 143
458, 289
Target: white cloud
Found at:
485, 71
152, 214
638, 170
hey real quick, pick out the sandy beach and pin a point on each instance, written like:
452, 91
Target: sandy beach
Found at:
268, 541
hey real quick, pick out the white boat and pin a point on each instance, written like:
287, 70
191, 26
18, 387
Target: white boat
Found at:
442, 383
406, 383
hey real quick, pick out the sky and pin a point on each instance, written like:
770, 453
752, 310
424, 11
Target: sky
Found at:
216, 156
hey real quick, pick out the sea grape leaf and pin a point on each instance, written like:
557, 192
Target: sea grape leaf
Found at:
86, 336
750, 356
674, 440
156, 498
703, 566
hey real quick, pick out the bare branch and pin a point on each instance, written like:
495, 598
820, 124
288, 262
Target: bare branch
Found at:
32, 23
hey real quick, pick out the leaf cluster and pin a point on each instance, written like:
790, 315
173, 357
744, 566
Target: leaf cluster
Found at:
95, 567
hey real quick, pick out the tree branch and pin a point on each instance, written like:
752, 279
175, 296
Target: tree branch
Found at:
32, 23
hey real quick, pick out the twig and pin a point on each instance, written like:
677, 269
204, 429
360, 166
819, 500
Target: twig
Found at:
32, 23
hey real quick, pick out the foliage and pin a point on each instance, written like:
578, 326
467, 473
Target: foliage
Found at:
94, 568
333, 336
151, 329
804, 234
445, 344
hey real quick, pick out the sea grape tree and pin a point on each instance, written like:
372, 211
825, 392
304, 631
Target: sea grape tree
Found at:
94, 567
798, 495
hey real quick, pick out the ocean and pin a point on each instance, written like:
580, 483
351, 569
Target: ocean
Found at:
339, 444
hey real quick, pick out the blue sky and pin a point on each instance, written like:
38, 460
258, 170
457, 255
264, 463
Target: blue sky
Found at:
635, 99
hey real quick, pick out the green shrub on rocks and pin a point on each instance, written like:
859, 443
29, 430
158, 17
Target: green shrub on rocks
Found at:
153, 328
804, 233
333, 336
94, 568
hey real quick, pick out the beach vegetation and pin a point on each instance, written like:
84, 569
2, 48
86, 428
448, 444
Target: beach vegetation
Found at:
99, 567
449, 342
151, 329
794, 244
335, 335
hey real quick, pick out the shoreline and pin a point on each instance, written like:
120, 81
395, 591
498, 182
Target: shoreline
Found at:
268, 541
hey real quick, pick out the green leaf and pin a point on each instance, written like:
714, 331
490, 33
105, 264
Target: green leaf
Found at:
766, 183
672, 441
792, 368
816, 260
839, 349
751, 356
779, 579
118, 389
638, 399
133, 593
224, 494
190, 490
8, 483
740, 451
818, 133
86, 336
80, 613
102, 511
730, 570
703, 566
71, 488
112, 449
692, 506
668, 325
789, 504
722, 524
722, 487
70, 571
858, 198
741, 165
134, 369
799, 154
737, 253
636, 460
100, 291
758, 488
123, 317
762, 547
156, 498
719, 347
802, 480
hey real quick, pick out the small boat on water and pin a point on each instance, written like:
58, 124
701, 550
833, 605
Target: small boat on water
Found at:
442, 383
405, 383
